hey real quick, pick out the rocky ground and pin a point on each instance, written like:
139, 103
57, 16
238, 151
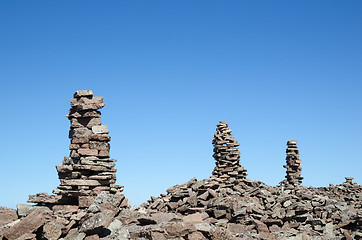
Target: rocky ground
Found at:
207, 209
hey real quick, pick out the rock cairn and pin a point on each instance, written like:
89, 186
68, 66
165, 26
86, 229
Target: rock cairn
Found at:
293, 167
226, 154
88, 170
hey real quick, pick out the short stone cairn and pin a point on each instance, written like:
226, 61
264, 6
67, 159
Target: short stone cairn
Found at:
293, 167
226, 154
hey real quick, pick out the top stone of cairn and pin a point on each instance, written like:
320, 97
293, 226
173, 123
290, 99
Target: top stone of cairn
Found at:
83, 93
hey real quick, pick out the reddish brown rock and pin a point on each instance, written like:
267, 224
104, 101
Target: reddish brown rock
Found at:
221, 234
7, 215
92, 237
52, 231
193, 218
29, 224
87, 152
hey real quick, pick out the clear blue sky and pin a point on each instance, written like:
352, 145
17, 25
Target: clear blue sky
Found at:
168, 72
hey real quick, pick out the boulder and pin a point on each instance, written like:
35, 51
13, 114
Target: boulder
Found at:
29, 224
74, 234
96, 223
52, 231
7, 215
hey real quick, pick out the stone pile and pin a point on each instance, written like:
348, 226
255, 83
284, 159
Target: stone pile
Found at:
254, 210
89, 170
293, 167
227, 155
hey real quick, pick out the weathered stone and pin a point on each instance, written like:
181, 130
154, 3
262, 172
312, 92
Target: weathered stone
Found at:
146, 220
7, 215
61, 168
80, 133
27, 236
196, 236
262, 229
83, 93
65, 208
52, 231
92, 237
103, 129
118, 232
178, 229
105, 201
87, 152
159, 236
100, 137
205, 227
45, 198
80, 182
24, 210
96, 223
28, 224
103, 153
75, 235
85, 201
85, 122
193, 218
221, 234
99, 145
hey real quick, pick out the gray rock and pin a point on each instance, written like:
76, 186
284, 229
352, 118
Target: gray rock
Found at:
24, 210
97, 223
100, 129
28, 224
205, 227
52, 231
80, 132
83, 93
73, 234
112, 199
328, 231
118, 232
7, 215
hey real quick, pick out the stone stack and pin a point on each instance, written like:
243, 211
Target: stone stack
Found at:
89, 170
293, 167
226, 154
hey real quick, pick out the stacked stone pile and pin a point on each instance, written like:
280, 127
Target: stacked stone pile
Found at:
89, 170
293, 167
254, 210
226, 154
87, 201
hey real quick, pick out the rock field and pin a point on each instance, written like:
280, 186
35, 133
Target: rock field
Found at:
88, 205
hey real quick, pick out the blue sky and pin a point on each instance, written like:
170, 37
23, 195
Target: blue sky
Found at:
168, 72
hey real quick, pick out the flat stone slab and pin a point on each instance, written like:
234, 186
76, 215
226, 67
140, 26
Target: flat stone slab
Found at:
7, 215
80, 182
29, 224
100, 129
83, 93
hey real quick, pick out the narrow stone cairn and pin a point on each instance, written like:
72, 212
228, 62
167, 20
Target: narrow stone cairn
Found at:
89, 170
293, 167
226, 154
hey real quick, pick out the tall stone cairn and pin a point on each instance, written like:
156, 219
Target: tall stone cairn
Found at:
226, 154
88, 170
293, 167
